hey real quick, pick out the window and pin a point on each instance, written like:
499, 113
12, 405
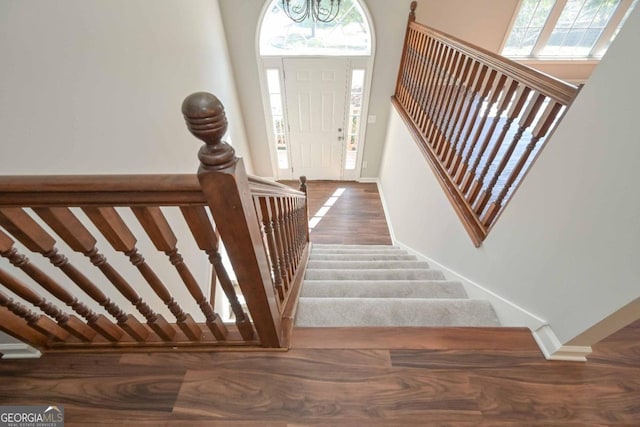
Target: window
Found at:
277, 116
354, 118
552, 29
347, 35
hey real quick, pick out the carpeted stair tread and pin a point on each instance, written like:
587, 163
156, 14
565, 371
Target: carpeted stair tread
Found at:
374, 274
352, 265
382, 285
383, 289
362, 257
317, 246
336, 312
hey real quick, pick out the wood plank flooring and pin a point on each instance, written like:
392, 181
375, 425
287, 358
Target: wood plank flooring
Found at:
356, 217
503, 382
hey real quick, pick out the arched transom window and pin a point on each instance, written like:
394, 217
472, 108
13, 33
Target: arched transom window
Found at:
348, 35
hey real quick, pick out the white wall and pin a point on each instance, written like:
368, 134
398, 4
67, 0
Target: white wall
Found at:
566, 247
241, 23
94, 86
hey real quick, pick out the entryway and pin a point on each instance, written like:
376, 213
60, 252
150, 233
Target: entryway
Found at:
316, 79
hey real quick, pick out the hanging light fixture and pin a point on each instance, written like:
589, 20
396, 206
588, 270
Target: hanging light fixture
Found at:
318, 10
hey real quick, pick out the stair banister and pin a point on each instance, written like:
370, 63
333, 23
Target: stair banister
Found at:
225, 185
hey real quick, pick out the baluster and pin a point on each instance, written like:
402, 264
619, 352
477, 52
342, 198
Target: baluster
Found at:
452, 98
159, 231
79, 239
503, 104
472, 99
287, 229
433, 59
301, 224
74, 327
267, 223
486, 87
495, 94
278, 232
295, 209
36, 239
463, 101
292, 227
419, 115
521, 98
305, 212
97, 323
42, 324
431, 101
411, 68
540, 131
415, 109
441, 97
207, 240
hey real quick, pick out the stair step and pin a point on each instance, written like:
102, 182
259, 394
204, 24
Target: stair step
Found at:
352, 265
342, 312
373, 274
361, 257
380, 251
383, 289
338, 246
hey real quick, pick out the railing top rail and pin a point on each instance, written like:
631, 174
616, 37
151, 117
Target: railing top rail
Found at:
559, 90
100, 190
263, 186
118, 190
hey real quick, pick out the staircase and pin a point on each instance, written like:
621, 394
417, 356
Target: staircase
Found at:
356, 285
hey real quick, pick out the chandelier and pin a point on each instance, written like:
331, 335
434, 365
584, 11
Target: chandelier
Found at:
318, 10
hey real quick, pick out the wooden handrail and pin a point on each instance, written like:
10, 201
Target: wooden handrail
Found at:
478, 118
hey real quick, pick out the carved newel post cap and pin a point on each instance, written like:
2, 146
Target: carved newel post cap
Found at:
207, 121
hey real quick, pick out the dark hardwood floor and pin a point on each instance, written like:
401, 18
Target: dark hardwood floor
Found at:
344, 376
356, 216
502, 381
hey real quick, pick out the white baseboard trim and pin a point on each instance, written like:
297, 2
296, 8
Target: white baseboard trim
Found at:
368, 180
385, 209
18, 351
509, 313
553, 349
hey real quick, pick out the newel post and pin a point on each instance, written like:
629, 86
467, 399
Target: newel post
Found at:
225, 185
403, 58
303, 188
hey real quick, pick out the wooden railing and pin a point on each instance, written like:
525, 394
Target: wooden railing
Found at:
109, 296
479, 118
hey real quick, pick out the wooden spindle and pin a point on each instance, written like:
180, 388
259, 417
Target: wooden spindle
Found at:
303, 188
541, 129
42, 324
464, 101
207, 240
496, 90
503, 104
267, 222
225, 185
36, 239
71, 324
441, 96
159, 231
482, 95
278, 233
533, 106
472, 99
96, 323
80, 239
455, 82
415, 107
437, 56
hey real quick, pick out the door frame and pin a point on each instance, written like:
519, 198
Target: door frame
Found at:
276, 62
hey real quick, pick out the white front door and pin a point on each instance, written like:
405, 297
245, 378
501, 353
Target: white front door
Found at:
316, 97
